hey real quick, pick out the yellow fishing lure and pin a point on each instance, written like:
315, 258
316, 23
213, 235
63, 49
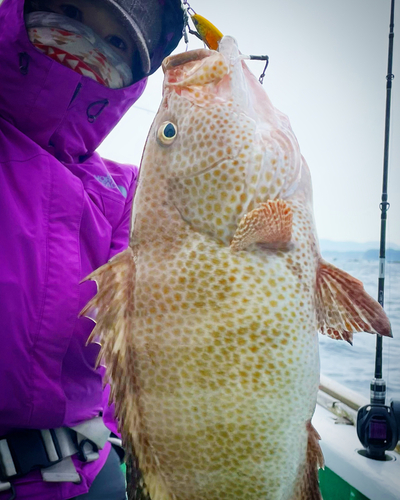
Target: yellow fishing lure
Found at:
207, 31
211, 35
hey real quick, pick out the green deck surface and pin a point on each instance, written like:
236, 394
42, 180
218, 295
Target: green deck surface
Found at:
333, 487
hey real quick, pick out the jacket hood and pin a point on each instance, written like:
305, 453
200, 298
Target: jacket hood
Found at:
65, 113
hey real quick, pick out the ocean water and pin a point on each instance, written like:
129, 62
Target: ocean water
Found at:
353, 366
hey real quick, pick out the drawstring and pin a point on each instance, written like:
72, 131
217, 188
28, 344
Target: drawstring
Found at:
102, 105
23, 62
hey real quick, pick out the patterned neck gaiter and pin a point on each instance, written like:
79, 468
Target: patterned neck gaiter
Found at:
78, 47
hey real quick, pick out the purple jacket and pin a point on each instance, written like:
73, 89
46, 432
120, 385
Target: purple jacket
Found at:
64, 211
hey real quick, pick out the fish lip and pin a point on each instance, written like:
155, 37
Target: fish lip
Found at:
185, 57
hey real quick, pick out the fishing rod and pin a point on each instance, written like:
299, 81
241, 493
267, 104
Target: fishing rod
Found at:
378, 389
378, 425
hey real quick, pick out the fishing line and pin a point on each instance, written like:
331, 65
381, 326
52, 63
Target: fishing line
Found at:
145, 109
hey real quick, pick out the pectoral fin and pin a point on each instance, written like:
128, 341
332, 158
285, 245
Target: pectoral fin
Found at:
344, 307
271, 222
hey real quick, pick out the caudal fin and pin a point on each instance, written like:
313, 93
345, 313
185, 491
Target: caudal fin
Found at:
343, 306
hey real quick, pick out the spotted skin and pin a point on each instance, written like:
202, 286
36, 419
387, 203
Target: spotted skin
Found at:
212, 350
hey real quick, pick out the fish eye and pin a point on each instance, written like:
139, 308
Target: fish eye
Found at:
167, 133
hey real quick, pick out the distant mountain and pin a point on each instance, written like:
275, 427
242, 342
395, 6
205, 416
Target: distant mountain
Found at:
332, 250
333, 255
391, 255
352, 246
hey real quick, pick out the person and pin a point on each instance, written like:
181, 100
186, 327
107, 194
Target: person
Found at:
70, 69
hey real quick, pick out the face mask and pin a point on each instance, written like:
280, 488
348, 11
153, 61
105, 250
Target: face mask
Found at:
78, 47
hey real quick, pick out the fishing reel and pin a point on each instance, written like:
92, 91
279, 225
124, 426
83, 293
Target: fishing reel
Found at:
378, 428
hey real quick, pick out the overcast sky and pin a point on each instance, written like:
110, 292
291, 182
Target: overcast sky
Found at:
327, 72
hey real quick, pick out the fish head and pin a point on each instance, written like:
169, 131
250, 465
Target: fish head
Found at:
217, 143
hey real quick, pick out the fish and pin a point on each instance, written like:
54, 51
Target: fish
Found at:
208, 321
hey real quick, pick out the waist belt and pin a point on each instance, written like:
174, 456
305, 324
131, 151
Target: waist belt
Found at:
50, 450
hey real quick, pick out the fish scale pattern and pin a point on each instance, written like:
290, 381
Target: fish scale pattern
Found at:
217, 364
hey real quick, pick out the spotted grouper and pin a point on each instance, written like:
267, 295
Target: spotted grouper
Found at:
209, 320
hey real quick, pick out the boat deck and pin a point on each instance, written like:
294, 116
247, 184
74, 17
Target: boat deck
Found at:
339, 442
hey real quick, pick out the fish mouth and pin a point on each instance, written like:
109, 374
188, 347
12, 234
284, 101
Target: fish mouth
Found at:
171, 62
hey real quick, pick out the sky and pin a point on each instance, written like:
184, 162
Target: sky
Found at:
327, 73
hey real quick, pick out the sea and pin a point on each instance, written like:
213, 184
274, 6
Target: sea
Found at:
353, 366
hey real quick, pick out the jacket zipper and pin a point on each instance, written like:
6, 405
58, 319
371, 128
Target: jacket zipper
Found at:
76, 92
